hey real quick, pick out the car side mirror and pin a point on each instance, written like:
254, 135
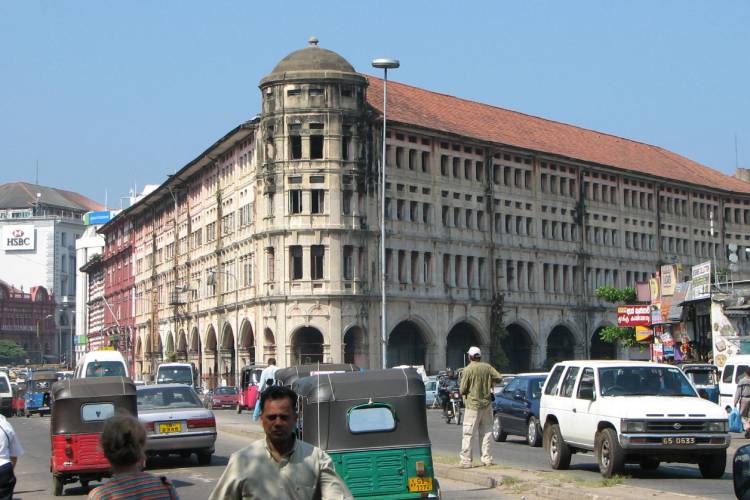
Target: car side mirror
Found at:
519, 396
741, 471
586, 392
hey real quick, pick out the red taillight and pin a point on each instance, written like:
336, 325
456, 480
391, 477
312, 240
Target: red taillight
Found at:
201, 422
149, 426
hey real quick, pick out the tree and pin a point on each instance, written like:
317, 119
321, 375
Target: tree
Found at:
11, 352
624, 335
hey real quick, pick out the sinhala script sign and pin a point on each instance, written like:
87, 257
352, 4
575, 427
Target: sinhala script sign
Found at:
18, 237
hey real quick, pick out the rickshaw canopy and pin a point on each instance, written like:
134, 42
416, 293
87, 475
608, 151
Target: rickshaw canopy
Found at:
328, 402
83, 405
287, 376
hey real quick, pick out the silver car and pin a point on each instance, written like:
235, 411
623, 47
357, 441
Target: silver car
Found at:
176, 422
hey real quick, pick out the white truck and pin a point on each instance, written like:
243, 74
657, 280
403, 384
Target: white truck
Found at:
630, 412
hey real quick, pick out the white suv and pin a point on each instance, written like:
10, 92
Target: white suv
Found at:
630, 412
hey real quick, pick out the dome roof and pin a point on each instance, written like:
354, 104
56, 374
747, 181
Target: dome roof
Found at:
313, 58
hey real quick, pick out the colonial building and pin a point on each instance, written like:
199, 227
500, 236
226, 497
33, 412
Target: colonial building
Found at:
89, 280
27, 318
268, 242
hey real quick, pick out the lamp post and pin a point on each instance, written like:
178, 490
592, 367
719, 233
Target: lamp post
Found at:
235, 359
38, 340
384, 64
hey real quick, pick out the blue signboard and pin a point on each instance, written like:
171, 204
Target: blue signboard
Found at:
97, 218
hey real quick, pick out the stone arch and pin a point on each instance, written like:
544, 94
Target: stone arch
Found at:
517, 346
407, 344
247, 344
227, 358
269, 345
354, 347
211, 356
169, 352
561, 343
181, 351
195, 351
462, 336
307, 345
601, 349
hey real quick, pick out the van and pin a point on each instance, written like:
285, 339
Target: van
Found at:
6, 395
177, 373
101, 364
730, 374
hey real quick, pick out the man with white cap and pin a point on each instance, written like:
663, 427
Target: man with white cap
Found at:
476, 388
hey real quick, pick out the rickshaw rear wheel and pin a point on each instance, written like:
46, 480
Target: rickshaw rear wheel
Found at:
57, 483
85, 483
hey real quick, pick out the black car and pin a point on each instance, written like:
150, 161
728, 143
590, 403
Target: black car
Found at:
516, 409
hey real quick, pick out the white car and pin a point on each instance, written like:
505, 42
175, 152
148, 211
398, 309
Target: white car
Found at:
630, 412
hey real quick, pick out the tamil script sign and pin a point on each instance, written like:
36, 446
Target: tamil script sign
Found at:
18, 237
633, 315
702, 281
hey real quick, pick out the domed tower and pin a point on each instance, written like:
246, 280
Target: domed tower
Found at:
312, 173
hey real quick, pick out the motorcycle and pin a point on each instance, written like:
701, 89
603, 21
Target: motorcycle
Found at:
453, 408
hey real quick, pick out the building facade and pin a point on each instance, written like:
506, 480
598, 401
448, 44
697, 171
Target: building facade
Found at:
40, 226
267, 244
28, 320
88, 247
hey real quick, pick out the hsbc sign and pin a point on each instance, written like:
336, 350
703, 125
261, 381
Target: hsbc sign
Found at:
18, 237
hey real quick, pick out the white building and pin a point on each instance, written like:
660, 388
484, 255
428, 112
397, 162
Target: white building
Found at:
39, 227
87, 246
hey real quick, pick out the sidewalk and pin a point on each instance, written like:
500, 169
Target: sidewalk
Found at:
516, 481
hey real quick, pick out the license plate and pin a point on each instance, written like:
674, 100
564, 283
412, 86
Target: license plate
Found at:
678, 440
420, 484
170, 428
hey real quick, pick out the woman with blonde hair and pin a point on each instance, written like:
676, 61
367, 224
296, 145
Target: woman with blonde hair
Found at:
123, 440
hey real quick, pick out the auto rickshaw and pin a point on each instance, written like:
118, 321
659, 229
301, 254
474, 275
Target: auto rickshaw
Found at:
37, 397
287, 376
373, 424
81, 406
705, 378
248, 394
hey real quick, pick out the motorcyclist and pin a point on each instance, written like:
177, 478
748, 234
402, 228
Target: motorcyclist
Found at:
443, 388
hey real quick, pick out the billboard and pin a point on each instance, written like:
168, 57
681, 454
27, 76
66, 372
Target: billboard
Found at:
702, 281
18, 237
96, 218
668, 280
639, 315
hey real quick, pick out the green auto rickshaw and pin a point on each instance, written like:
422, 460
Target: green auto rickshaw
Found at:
373, 424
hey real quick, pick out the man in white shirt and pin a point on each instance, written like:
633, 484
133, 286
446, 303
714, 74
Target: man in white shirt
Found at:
10, 450
268, 374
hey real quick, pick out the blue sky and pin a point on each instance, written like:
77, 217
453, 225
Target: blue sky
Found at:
108, 95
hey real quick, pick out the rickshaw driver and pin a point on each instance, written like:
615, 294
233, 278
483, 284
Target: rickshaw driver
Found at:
477, 381
280, 466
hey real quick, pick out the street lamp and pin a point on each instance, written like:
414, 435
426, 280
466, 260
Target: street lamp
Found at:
384, 64
38, 341
212, 277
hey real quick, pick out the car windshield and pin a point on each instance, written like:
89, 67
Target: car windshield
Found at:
225, 390
167, 398
644, 381
105, 369
175, 374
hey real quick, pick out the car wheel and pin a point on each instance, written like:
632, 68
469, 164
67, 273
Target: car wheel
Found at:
649, 465
712, 466
497, 430
57, 485
204, 458
609, 453
557, 449
533, 434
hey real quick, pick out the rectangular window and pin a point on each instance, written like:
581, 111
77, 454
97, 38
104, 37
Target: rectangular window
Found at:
553, 382
295, 144
426, 213
402, 266
346, 142
295, 262
317, 255
295, 201
427, 272
316, 147
425, 161
318, 201
270, 259
348, 262
447, 269
566, 389
346, 203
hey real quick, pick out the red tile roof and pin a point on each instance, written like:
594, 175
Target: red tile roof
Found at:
445, 113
